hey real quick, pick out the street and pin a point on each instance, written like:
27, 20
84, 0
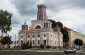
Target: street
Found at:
36, 53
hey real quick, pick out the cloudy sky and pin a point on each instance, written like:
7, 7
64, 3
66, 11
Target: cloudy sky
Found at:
70, 12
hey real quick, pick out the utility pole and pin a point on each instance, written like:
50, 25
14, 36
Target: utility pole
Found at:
15, 41
78, 43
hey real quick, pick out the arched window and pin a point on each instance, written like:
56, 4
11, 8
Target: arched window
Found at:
38, 27
44, 41
22, 42
28, 36
21, 36
33, 36
44, 35
38, 35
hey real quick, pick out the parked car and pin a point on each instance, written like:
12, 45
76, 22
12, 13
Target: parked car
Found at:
70, 50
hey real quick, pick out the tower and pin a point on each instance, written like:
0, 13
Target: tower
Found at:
25, 27
41, 14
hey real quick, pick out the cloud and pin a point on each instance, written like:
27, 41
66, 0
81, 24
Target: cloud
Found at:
25, 7
70, 12
80, 29
29, 8
58, 5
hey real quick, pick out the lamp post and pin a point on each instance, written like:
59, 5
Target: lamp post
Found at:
15, 41
78, 43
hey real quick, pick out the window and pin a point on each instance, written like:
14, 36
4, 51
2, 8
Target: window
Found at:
45, 25
44, 35
55, 42
38, 27
38, 35
21, 36
50, 42
55, 36
28, 36
33, 42
38, 42
22, 42
44, 42
33, 36
28, 42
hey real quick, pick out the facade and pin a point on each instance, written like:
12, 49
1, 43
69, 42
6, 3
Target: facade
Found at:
41, 31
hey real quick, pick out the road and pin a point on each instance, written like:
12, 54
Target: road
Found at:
36, 53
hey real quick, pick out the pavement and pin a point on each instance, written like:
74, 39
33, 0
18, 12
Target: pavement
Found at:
39, 52
36, 53
46, 50
79, 51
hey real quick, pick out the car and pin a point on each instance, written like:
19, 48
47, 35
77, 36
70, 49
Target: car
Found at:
70, 50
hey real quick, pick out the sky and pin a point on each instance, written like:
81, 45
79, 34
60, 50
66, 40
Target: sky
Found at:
70, 12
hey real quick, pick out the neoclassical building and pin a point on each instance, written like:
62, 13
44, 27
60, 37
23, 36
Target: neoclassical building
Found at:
41, 31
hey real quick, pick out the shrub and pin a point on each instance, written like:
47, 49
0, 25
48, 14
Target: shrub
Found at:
30, 46
27, 46
23, 46
41, 46
48, 46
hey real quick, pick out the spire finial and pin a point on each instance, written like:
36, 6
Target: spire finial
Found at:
41, 2
25, 22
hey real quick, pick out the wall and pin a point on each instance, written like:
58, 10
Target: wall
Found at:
75, 35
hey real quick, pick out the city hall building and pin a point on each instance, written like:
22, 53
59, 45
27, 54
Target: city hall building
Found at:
41, 31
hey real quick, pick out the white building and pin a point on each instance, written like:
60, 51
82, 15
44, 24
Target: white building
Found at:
41, 31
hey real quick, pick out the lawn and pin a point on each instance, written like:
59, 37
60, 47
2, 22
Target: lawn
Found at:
48, 49
11, 49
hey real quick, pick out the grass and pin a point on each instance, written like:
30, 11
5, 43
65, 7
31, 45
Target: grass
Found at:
39, 49
11, 49
49, 49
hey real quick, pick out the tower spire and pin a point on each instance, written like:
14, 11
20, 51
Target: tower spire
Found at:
25, 26
25, 22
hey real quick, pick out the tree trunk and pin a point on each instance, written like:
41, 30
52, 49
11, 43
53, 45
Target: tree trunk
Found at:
1, 38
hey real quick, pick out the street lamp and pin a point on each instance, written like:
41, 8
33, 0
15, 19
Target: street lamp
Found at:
15, 40
78, 43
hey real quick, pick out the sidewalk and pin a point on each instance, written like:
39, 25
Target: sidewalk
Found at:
48, 50
44, 50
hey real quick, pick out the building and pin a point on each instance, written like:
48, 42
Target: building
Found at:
73, 35
41, 31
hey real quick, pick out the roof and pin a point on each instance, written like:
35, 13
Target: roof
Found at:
73, 30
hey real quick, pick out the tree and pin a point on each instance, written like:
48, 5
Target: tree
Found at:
63, 30
65, 37
23, 46
56, 24
5, 21
27, 45
53, 23
30, 44
60, 25
6, 40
